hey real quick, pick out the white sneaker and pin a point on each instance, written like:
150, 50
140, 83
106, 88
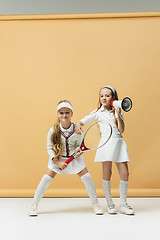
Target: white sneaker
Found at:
33, 210
97, 209
126, 209
111, 208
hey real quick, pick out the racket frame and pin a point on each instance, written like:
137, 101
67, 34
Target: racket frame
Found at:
90, 149
83, 148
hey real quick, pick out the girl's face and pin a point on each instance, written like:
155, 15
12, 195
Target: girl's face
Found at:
106, 97
64, 115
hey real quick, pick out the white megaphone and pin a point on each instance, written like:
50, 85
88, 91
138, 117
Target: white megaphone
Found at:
125, 104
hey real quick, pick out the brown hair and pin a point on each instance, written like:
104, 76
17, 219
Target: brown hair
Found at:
116, 98
56, 136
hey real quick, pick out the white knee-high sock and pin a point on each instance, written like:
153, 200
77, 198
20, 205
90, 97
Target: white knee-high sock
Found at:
42, 187
107, 191
90, 188
123, 188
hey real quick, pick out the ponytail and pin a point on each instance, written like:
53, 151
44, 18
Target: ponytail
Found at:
56, 139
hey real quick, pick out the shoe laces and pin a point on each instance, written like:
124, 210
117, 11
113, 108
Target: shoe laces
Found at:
126, 205
111, 205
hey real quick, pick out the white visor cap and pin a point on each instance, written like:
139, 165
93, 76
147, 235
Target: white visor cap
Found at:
64, 105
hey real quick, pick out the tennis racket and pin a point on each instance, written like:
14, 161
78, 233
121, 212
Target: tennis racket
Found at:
95, 137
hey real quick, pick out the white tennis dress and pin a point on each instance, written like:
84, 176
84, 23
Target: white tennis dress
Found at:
115, 149
70, 141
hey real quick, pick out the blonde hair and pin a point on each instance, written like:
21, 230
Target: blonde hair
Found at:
116, 98
56, 136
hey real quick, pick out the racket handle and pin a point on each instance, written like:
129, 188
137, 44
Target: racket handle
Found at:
68, 161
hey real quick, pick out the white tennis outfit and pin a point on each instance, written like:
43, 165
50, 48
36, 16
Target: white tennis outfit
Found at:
115, 149
70, 141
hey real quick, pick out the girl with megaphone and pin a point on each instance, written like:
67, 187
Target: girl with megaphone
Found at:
115, 150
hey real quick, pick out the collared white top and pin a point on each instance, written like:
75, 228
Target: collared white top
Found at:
70, 141
103, 114
115, 149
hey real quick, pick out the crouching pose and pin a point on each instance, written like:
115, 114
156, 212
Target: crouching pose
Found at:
62, 142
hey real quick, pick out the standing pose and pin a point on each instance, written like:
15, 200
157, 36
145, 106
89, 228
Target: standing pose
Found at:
62, 142
114, 151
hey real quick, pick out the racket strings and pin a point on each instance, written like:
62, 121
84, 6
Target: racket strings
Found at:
93, 138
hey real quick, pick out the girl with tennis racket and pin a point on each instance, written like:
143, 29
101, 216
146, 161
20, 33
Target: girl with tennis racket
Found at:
62, 142
115, 150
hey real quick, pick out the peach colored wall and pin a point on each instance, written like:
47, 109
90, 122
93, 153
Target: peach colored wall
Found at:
44, 60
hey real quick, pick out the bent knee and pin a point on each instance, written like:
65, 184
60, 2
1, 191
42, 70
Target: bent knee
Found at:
50, 173
81, 173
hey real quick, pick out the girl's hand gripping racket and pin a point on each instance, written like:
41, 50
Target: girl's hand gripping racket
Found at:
96, 136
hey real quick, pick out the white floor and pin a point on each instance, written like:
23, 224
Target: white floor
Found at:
72, 218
